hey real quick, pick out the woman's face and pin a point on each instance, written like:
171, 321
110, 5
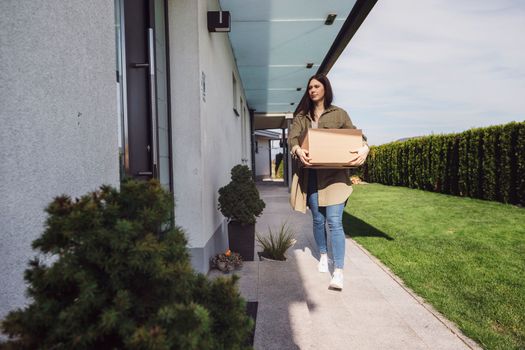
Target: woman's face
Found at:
316, 90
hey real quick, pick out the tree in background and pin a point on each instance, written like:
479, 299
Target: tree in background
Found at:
279, 165
278, 162
121, 278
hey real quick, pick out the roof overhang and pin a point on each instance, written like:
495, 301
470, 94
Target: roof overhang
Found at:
274, 40
271, 135
271, 120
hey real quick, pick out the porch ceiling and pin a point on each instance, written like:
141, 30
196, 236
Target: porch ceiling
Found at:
262, 122
273, 40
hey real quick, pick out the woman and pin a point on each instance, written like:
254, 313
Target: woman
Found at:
325, 191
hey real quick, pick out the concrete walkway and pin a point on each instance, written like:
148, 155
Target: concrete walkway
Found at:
296, 310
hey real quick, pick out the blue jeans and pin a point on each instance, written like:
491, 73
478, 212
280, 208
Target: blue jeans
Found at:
333, 214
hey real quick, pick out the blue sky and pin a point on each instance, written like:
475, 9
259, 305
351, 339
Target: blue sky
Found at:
417, 67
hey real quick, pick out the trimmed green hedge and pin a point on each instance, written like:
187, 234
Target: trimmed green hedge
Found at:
486, 163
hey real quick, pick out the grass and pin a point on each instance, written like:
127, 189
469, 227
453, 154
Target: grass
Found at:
464, 256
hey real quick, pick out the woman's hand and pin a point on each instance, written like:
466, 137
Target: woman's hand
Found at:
302, 154
362, 153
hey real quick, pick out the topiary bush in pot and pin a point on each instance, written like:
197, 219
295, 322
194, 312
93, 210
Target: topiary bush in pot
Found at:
239, 201
121, 279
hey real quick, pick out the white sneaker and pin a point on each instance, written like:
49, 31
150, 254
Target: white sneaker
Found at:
323, 263
337, 280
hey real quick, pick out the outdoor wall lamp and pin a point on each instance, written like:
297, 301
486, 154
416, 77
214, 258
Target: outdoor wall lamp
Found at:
219, 21
330, 19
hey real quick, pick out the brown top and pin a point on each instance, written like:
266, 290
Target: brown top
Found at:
333, 185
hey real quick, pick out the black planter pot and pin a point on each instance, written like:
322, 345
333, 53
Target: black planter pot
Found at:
241, 238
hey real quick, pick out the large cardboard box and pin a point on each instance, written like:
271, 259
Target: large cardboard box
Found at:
332, 148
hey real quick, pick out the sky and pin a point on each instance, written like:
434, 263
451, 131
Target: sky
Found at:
421, 67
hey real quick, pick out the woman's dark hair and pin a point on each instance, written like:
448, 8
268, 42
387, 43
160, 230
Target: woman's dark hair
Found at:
308, 105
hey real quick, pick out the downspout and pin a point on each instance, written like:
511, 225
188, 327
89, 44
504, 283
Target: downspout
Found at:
270, 156
288, 157
252, 140
285, 157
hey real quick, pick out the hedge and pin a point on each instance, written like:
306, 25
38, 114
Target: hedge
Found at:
486, 163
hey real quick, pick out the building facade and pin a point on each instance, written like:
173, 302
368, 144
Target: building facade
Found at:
95, 90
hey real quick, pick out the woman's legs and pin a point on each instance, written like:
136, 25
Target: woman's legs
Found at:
318, 214
334, 216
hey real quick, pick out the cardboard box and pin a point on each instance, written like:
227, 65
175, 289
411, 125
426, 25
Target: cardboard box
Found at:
332, 148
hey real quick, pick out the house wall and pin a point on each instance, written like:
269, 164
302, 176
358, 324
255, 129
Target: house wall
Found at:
262, 158
58, 119
59, 124
207, 140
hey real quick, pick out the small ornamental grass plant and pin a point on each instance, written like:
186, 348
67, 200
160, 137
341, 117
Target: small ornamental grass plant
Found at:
275, 244
121, 279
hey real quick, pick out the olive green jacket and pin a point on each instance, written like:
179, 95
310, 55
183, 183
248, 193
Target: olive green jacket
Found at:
334, 186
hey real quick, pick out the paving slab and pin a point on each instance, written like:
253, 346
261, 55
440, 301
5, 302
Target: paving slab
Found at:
283, 319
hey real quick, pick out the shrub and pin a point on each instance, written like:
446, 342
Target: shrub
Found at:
519, 163
239, 200
482, 163
279, 166
121, 278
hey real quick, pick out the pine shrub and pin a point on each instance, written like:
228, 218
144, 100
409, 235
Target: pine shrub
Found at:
239, 200
120, 278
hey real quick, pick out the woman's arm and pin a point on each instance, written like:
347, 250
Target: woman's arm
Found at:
296, 131
362, 152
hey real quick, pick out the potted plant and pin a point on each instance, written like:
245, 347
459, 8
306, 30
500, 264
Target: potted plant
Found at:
275, 245
227, 261
239, 201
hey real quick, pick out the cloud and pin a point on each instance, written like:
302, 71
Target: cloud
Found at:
417, 67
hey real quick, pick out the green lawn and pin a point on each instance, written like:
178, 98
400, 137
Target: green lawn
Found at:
464, 256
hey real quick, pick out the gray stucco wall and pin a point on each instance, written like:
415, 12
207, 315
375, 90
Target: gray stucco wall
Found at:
207, 139
186, 119
58, 119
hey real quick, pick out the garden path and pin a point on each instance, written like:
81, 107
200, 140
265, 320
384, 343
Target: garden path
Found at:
296, 310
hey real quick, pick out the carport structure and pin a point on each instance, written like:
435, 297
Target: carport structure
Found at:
279, 44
